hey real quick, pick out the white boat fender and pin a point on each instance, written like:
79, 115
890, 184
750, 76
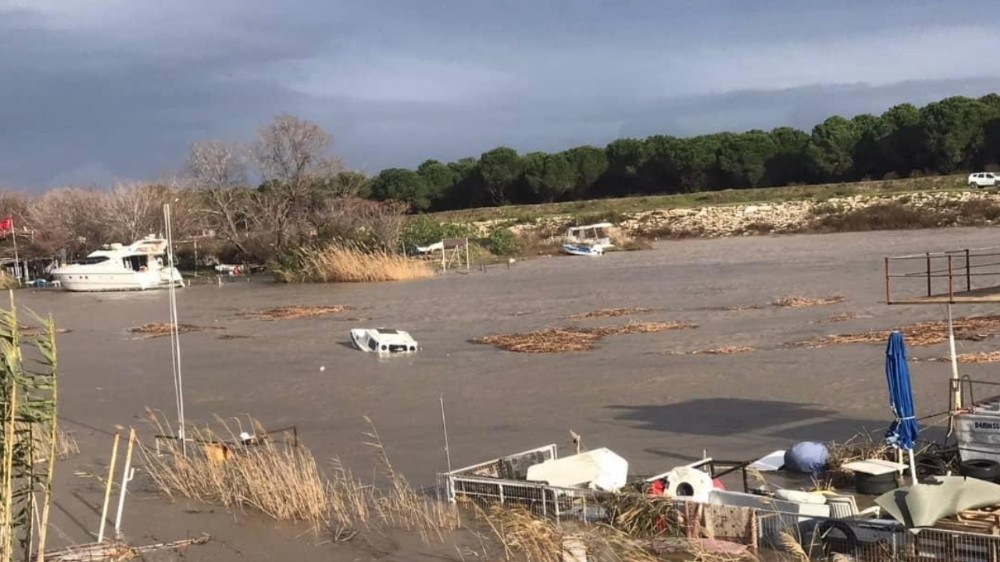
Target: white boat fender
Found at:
687, 482
799, 496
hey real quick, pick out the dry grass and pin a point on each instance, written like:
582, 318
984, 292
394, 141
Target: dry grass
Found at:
560, 340
345, 264
859, 447
293, 312
523, 536
611, 313
975, 328
158, 329
66, 445
7, 281
280, 480
741, 307
640, 516
283, 481
806, 302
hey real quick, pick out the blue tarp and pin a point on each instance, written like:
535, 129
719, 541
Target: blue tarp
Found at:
904, 429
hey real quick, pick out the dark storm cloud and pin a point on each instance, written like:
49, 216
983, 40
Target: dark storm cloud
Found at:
103, 89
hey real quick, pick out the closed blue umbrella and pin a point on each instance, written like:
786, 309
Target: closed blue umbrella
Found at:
904, 429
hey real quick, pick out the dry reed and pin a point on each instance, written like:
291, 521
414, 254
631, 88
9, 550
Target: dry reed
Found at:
806, 302
293, 312
611, 313
157, 329
279, 480
348, 264
974, 328
284, 482
561, 340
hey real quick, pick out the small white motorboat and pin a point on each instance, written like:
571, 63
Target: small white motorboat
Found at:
583, 250
383, 341
136, 267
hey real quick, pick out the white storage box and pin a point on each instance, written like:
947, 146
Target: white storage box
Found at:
600, 469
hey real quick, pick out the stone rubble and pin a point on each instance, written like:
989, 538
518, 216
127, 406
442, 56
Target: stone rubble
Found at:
750, 219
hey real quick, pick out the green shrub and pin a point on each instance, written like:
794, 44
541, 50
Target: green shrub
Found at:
422, 230
502, 242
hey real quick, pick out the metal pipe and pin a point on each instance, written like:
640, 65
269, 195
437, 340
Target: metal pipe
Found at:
928, 274
888, 294
968, 272
951, 281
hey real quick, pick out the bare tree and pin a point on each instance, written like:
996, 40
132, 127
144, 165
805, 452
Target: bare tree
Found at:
217, 164
294, 159
217, 172
69, 218
133, 210
294, 151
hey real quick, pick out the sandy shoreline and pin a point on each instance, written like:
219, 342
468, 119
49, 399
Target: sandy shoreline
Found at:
640, 395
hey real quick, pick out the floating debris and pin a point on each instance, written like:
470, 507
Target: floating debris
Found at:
611, 313
806, 302
970, 358
975, 328
294, 312
843, 317
559, 340
157, 329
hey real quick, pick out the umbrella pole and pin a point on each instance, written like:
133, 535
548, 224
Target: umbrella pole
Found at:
913, 468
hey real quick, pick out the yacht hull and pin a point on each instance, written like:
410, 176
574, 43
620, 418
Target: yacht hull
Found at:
92, 281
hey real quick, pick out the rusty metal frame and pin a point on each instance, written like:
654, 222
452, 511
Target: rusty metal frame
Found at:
955, 266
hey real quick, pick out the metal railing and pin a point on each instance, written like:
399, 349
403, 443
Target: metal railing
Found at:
958, 269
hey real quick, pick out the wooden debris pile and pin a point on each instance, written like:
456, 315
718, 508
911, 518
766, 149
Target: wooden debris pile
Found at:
157, 329
973, 328
559, 340
293, 312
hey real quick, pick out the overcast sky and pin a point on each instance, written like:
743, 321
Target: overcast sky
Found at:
97, 90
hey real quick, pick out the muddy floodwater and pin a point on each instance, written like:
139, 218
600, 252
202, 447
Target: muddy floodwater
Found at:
646, 396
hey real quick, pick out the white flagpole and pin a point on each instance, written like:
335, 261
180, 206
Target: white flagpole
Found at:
174, 333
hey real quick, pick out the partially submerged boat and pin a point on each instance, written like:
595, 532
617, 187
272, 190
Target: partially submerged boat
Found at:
582, 250
383, 341
136, 267
588, 240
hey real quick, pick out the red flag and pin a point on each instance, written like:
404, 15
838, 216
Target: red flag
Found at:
6, 225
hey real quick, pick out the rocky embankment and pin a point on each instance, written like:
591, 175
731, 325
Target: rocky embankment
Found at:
857, 212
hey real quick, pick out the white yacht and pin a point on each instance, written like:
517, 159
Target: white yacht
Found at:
136, 267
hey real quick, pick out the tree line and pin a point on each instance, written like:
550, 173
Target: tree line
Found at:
285, 188
947, 136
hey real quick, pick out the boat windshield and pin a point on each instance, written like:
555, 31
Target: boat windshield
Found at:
91, 260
